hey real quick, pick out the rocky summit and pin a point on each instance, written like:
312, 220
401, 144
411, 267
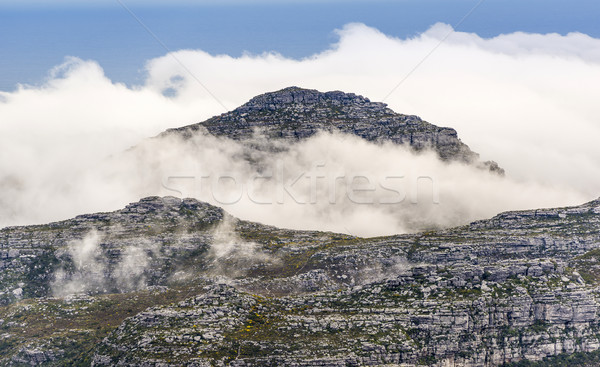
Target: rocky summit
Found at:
171, 282
294, 114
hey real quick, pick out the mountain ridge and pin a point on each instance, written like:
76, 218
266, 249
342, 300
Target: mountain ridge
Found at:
522, 285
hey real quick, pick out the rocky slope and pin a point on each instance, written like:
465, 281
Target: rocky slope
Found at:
169, 282
294, 113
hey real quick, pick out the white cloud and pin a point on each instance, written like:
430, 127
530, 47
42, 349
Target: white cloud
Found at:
338, 183
527, 101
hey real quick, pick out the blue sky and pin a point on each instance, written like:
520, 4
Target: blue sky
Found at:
35, 36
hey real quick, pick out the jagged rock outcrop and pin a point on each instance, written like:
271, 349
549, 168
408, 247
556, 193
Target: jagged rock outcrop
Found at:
187, 284
294, 113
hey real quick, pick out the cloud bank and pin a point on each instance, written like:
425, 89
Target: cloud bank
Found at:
527, 101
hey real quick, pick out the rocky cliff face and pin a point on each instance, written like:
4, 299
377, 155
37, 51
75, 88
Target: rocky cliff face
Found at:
180, 282
294, 113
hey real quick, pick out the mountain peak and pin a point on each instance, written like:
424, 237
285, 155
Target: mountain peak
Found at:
294, 114
295, 95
